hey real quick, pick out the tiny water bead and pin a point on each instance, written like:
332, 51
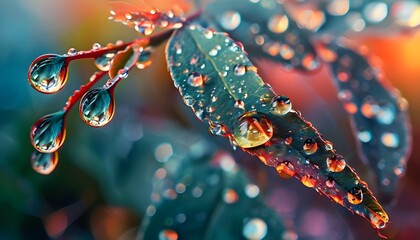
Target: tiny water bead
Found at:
310, 146
308, 181
48, 73
239, 104
103, 62
97, 107
252, 129
168, 234
239, 70
280, 105
145, 27
355, 196
286, 170
48, 133
195, 79
379, 219
44, 163
255, 229
336, 163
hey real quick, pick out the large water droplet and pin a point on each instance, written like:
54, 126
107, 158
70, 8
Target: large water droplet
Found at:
230, 20
252, 129
278, 23
145, 27
336, 163
255, 229
48, 133
286, 170
97, 107
44, 163
379, 219
103, 62
390, 140
168, 234
280, 105
308, 181
355, 196
310, 146
195, 79
48, 73
239, 104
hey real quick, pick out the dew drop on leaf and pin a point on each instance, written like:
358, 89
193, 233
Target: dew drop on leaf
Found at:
44, 163
168, 234
278, 23
230, 20
103, 62
145, 27
310, 146
239, 70
71, 51
48, 133
97, 107
48, 73
308, 181
285, 170
330, 183
239, 104
252, 129
195, 79
336, 163
255, 229
281, 105
213, 52
355, 196
188, 100
96, 46
379, 219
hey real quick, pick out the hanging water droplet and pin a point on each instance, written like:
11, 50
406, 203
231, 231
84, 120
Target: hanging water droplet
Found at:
48, 73
255, 229
355, 196
278, 23
252, 129
239, 104
310, 146
145, 27
103, 62
96, 46
286, 170
44, 163
97, 107
144, 59
336, 163
48, 133
239, 70
168, 234
390, 140
308, 181
230, 196
230, 20
72, 51
195, 79
280, 105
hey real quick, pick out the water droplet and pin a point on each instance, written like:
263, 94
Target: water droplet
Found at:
48, 133
390, 140
230, 196
308, 181
208, 34
239, 70
48, 73
122, 73
213, 52
330, 183
310, 62
195, 79
255, 229
355, 196
278, 23
252, 129
96, 46
168, 234
280, 105
364, 136
145, 27
144, 59
310, 146
97, 107
336, 163
252, 190
239, 104
379, 219
103, 62
328, 146
399, 170
230, 20
188, 100
286, 170
44, 163
72, 51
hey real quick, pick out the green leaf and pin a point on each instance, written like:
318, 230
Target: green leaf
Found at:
243, 108
265, 29
379, 116
206, 200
